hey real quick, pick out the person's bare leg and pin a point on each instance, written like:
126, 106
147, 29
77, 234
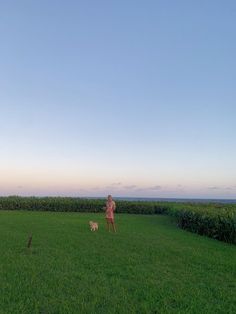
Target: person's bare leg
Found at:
108, 225
113, 226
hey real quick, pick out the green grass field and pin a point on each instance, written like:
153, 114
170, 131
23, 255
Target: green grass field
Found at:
149, 266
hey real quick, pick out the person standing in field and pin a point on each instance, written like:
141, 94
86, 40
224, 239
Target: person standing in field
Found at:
110, 208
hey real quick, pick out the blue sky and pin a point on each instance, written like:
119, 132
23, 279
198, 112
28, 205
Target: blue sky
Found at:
133, 98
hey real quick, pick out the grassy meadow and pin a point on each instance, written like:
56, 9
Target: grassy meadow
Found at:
149, 266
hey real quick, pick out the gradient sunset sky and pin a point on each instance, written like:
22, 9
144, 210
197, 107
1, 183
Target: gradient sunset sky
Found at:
132, 98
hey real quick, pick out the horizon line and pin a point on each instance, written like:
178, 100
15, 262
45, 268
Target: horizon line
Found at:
125, 197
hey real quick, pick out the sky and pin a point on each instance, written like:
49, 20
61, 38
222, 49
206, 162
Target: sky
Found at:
129, 98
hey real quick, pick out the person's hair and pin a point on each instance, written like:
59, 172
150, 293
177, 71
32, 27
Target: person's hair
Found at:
109, 196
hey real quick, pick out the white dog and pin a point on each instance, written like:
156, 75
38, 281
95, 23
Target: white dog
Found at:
93, 225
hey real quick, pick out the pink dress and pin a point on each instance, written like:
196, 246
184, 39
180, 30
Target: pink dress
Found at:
110, 210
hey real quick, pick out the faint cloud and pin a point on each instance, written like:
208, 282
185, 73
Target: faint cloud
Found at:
232, 187
229, 188
155, 187
96, 188
145, 189
213, 188
19, 187
130, 187
116, 184
139, 190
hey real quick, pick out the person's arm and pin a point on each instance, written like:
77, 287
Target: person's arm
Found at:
114, 206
